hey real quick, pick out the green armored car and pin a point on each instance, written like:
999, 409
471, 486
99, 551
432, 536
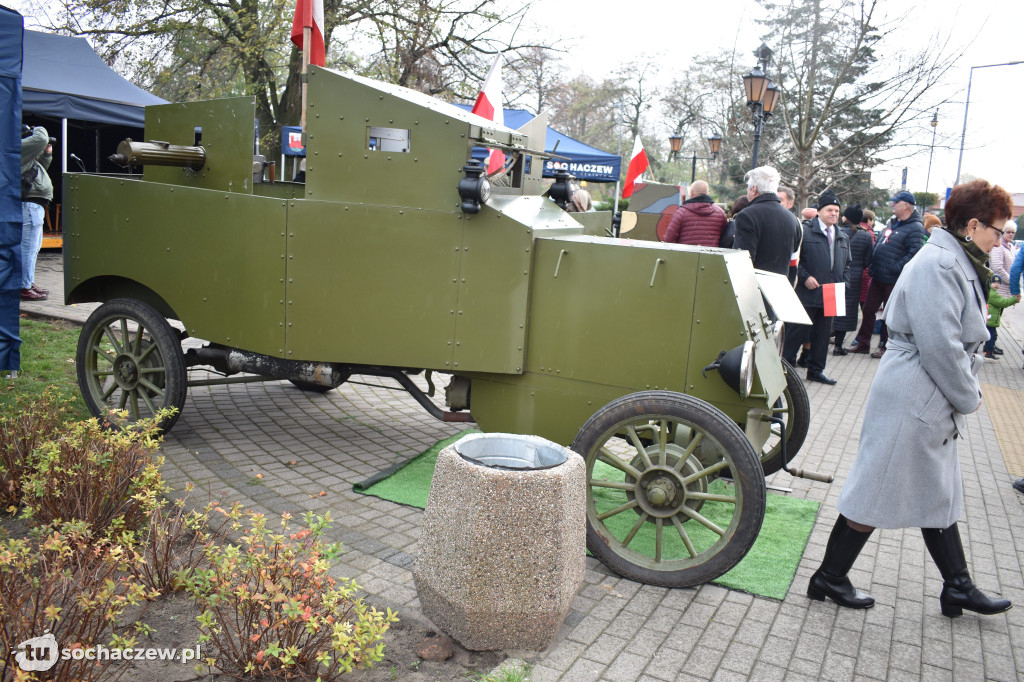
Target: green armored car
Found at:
658, 363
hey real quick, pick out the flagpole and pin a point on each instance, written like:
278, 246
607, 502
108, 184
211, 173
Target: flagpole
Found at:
307, 37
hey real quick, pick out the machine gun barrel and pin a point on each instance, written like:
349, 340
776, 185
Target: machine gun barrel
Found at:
157, 153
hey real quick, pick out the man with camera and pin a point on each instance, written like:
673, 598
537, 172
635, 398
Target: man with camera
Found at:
36, 195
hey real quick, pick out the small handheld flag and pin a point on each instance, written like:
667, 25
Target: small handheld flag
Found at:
834, 296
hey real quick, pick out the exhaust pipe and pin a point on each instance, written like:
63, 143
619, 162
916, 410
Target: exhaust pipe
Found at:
232, 361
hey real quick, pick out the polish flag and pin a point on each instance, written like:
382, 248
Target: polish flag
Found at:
835, 299
488, 105
637, 165
310, 13
794, 259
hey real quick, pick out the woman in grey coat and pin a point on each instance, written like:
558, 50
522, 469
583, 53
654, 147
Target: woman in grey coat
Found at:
907, 473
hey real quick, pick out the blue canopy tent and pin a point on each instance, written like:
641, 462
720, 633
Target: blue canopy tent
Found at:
584, 162
11, 29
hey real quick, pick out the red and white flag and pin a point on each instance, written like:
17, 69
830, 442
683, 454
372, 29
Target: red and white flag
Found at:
637, 165
310, 13
835, 299
488, 105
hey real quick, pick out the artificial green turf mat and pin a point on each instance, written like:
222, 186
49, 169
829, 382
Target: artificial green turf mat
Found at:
766, 570
769, 566
408, 482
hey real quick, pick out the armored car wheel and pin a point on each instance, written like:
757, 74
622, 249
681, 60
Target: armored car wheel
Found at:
130, 361
795, 409
657, 511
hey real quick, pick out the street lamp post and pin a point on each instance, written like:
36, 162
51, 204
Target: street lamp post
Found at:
762, 94
675, 143
928, 178
967, 104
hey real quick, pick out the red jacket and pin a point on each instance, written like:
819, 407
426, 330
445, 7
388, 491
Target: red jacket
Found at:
698, 221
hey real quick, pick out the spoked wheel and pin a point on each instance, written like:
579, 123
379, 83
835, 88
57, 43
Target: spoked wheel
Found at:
795, 409
657, 511
129, 360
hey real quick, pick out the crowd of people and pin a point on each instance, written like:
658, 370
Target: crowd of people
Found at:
866, 263
937, 293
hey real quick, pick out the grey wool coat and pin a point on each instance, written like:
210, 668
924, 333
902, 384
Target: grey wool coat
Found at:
907, 473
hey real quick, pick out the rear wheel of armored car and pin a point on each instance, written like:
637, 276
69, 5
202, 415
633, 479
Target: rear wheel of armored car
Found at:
795, 409
657, 510
130, 364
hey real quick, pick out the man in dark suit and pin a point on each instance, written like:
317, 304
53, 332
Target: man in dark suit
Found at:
824, 259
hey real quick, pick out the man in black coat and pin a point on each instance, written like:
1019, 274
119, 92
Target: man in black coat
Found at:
769, 232
824, 259
899, 242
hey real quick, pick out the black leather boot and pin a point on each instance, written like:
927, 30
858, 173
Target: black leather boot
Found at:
844, 545
958, 590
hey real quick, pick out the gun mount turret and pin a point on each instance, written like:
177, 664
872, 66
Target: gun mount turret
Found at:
157, 153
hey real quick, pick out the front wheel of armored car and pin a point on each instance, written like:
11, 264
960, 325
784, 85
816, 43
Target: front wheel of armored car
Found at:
657, 511
795, 409
130, 364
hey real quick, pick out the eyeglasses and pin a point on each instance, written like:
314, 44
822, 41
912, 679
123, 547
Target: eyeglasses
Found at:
997, 230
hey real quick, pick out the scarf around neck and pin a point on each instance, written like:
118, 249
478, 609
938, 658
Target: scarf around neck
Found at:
977, 256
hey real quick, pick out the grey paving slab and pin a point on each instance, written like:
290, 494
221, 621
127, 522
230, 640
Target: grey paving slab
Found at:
620, 630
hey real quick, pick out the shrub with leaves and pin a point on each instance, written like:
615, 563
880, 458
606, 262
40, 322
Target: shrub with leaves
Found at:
33, 422
108, 479
175, 544
68, 583
270, 609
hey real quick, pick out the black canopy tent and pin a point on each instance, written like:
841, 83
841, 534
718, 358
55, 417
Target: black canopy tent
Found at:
81, 101
64, 78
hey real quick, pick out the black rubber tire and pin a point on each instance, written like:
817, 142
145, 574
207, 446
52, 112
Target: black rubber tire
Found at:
150, 369
310, 387
725, 438
798, 420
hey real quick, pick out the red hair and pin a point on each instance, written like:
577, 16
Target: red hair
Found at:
977, 199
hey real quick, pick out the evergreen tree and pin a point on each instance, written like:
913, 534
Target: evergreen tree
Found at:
843, 105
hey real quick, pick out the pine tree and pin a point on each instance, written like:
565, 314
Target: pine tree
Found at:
849, 91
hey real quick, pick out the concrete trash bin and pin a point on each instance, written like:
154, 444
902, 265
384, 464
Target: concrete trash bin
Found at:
502, 549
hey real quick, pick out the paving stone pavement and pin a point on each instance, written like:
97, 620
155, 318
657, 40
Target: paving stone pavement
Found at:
620, 630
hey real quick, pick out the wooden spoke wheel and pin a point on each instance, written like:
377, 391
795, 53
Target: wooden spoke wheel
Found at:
657, 510
795, 408
130, 364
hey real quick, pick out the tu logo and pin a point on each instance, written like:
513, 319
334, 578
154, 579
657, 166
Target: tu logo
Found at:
38, 654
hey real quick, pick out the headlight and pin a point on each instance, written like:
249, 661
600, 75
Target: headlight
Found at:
562, 189
474, 189
737, 368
